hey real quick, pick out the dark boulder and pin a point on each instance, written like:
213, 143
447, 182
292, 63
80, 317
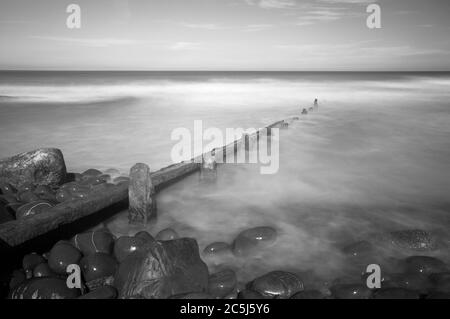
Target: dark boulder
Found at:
43, 270
162, 269
98, 266
62, 255
280, 284
250, 240
167, 234
145, 236
126, 245
44, 288
99, 241
424, 265
40, 167
30, 261
222, 283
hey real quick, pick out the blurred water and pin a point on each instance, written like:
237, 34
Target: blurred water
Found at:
375, 158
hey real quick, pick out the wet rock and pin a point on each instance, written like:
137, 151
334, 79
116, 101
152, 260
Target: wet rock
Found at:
415, 239
167, 234
358, 249
251, 240
440, 281
141, 194
222, 283
308, 294
99, 241
413, 281
126, 245
145, 236
193, 295
33, 208
97, 266
278, 284
162, 269
27, 197
217, 249
93, 181
39, 167
121, 179
112, 171
250, 294
62, 255
350, 291
30, 261
44, 288
27, 187
43, 270
63, 195
424, 265
45, 192
395, 293
7, 189
105, 292
91, 173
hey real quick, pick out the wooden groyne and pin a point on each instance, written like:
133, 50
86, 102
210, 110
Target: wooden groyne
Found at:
17, 232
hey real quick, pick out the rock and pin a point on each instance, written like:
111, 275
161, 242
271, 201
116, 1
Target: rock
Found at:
308, 294
97, 266
27, 197
5, 214
395, 293
167, 234
30, 261
424, 265
192, 295
91, 173
350, 291
413, 281
45, 192
93, 181
441, 281
141, 193
222, 283
7, 189
43, 270
105, 292
438, 295
252, 239
33, 208
217, 249
99, 241
278, 284
415, 239
28, 187
39, 167
62, 255
44, 288
145, 236
250, 294
125, 245
121, 179
112, 171
360, 248
63, 195
162, 269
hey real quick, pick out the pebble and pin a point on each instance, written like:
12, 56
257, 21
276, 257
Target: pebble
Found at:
279, 284
222, 283
62, 255
98, 265
217, 249
125, 245
249, 240
7, 189
30, 261
44, 288
167, 234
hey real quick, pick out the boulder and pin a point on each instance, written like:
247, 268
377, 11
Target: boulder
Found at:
40, 167
99, 241
251, 240
145, 236
141, 194
44, 288
30, 261
250, 294
279, 284
98, 266
43, 270
162, 269
32, 209
126, 245
424, 265
166, 234
217, 249
62, 255
222, 283
92, 172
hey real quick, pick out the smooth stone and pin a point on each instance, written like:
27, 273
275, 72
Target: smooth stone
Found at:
395, 293
350, 291
250, 294
162, 269
40, 167
145, 236
62, 255
105, 177
30, 261
99, 241
121, 179
43, 270
360, 248
63, 195
415, 239
217, 249
126, 245
251, 239
112, 171
222, 283
33, 208
104, 292
27, 197
93, 181
280, 284
7, 189
192, 295
308, 294
98, 265
91, 173
141, 195
424, 265
17, 277
44, 288
441, 281
167, 234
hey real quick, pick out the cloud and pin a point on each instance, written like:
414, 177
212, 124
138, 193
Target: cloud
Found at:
90, 42
272, 4
257, 27
182, 45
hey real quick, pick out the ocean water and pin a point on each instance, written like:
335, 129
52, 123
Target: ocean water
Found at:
375, 158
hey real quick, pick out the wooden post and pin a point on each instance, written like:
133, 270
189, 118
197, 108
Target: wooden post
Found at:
208, 169
141, 193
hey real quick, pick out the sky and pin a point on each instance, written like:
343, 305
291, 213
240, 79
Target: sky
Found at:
266, 35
